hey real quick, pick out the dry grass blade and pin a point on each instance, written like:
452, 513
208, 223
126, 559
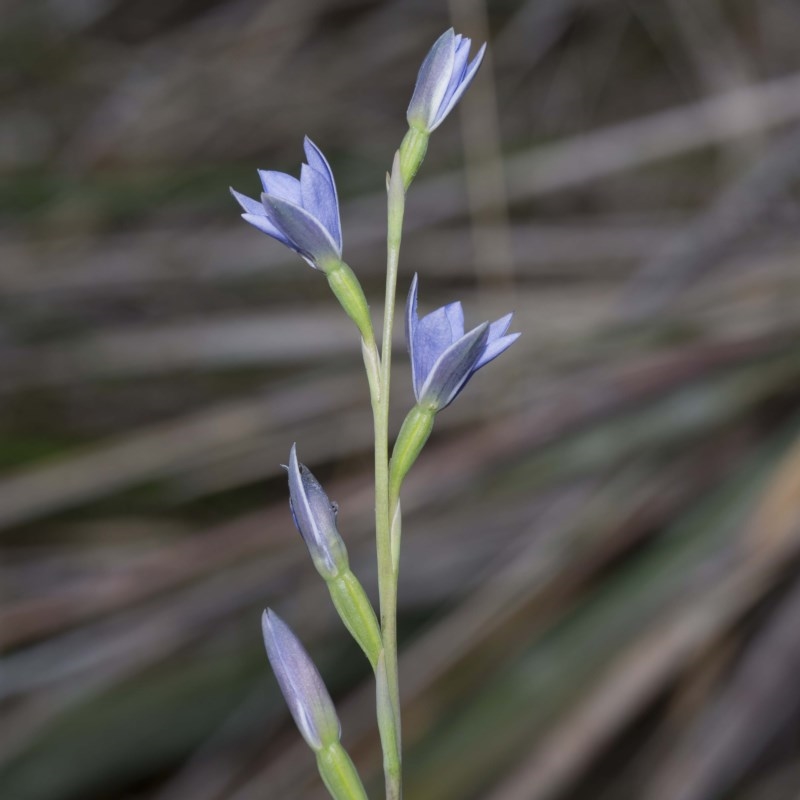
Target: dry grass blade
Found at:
732, 219
161, 450
642, 672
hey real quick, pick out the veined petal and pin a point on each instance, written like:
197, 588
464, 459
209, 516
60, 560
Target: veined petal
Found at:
266, 226
319, 201
434, 335
249, 205
279, 184
455, 315
453, 369
499, 327
301, 684
460, 60
411, 327
304, 233
318, 161
432, 82
447, 106
494, 349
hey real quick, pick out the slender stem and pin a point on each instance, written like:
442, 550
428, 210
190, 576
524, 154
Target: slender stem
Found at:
387, 575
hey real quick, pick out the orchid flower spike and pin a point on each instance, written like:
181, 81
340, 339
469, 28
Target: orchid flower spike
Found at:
315, 518
302, 214
443, 356
301, 684
444, 76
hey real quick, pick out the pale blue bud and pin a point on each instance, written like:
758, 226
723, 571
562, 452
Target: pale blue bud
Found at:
315, 518
443, 77
301, 684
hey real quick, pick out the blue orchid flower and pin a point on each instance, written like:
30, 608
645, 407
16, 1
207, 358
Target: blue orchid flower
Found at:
443, 356
444, 76
443, 359
302, 214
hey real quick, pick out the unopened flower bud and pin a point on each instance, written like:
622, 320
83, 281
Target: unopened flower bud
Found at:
444, 76
315, 518
301, 684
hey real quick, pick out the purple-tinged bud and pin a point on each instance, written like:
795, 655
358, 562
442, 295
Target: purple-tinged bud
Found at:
443, 77
315, 518
301, 684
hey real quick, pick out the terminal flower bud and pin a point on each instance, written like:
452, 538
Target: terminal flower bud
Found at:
315, 518
444, 76
443, 356
301, 684
302, 214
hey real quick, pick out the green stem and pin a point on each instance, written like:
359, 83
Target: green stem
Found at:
372, 363
339, 774
387, 574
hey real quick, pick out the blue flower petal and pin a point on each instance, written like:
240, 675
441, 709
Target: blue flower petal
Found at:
417, 377
266, 226
432, 82
460, 60
249, 205
455, 315
453, 369
495, 348
304, 232
499, 327
279, 184
434, 335
318, 161
447, 106
318, 200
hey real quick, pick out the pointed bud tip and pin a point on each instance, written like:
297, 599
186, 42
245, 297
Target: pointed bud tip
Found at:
267, 617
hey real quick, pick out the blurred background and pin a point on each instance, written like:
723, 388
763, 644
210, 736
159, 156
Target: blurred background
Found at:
600, 595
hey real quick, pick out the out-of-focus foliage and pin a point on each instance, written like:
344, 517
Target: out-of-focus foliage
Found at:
599, 588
